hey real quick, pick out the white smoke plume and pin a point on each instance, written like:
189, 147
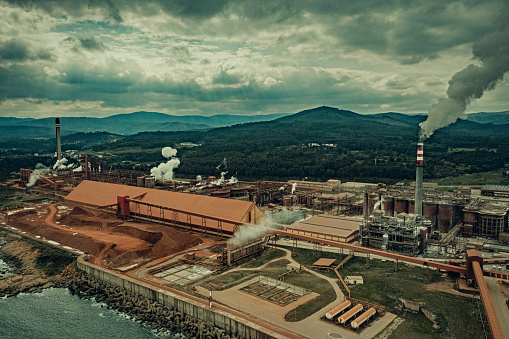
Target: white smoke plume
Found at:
233, 180
169, 152
247, 232
220, 180
165, 169
198, 177
223, 163
493, 53
39, 171
60, 164
77, 169
294, 186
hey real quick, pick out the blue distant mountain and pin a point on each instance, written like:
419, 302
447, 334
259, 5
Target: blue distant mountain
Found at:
133, 123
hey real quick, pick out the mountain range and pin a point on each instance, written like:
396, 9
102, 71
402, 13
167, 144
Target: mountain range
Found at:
133, 123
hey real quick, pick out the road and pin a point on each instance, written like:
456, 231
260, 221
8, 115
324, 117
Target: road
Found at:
499, 304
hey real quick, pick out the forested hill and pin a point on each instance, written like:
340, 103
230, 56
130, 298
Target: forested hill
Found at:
325, 143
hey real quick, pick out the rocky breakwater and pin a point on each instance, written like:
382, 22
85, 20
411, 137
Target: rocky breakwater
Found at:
144, 310
32, 268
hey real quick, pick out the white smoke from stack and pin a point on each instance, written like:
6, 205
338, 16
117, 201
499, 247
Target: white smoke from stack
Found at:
471, 83
294, 186
165, 169
247, 232
220, 180
232, 180
60, 164
223, 163
198, 177
169, 152
39, 171
77, 169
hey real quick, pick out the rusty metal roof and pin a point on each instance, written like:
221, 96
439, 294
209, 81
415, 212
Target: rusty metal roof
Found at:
105, 194
324, 262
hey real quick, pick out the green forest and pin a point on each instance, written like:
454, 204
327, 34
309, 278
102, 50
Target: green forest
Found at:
317, 144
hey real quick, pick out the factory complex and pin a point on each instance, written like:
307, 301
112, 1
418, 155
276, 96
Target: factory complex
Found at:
187, 236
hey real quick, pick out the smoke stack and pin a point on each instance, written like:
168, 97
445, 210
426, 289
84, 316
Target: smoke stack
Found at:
59, 144
418, 178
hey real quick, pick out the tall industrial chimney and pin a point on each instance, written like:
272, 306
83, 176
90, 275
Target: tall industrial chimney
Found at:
418, 178
59, 144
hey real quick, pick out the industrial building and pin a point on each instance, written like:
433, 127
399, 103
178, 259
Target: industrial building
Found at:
497, 191
342, 229
198, 212
406, 233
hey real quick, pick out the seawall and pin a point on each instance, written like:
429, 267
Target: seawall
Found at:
193, 307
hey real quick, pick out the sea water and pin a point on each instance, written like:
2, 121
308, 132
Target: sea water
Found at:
56, 313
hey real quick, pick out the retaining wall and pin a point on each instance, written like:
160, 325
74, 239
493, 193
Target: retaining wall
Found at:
231, 323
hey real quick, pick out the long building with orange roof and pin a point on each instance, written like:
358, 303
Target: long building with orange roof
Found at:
198, 212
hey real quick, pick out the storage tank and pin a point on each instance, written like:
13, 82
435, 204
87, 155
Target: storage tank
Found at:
411, 206
287, 201
445, 217
388, 206
140, 181
344, 318
430, 211
372, 200
385, 241
363, 318
338, 309
400, 205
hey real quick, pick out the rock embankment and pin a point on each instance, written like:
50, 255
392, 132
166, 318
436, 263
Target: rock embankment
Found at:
144, 310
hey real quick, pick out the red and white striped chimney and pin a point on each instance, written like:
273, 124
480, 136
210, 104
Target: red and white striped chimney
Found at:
419, 178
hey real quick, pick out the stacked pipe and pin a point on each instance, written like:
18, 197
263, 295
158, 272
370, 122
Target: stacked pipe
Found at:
59, 144
419, 178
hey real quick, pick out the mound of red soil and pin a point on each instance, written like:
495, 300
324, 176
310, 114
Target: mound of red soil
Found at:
79, 211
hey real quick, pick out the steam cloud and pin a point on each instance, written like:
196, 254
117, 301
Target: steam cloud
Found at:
294, 186
247, 232
270, 222
471, 83
39, 171
165, 169
223, 163
221, 180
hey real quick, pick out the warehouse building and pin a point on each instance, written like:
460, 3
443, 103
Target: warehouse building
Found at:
191, 211
329, 227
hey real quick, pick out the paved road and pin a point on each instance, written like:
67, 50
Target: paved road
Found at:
499, 304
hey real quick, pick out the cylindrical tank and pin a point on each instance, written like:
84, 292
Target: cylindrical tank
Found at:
372, 200
430, 211
470, 217
338, 309
140, 181
363, 318
344, 318
445, 217
388, 206
411, 206
287, 201
385, 241
400, 205
150, 182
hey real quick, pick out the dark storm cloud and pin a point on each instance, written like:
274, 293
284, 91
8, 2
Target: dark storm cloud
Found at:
75, 8
17, 50
91, 43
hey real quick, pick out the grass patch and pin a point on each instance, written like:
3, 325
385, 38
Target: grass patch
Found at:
232, 279
264, 258
315, 284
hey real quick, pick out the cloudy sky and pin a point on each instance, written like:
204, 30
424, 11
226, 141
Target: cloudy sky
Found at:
102, 57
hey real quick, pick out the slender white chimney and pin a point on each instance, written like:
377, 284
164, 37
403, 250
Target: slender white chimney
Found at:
419, 178
59, 144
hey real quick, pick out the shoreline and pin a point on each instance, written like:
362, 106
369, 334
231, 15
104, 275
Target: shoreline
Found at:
25, 277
